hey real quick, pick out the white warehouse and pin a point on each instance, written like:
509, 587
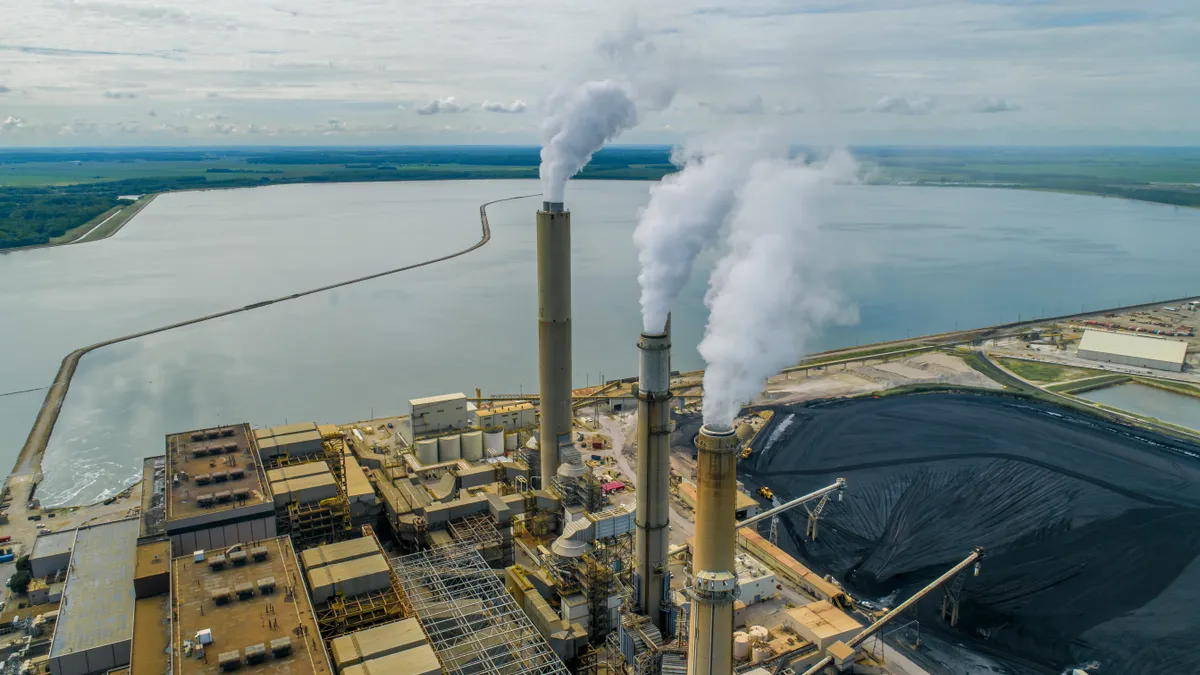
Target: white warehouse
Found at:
1142, 351
435, 414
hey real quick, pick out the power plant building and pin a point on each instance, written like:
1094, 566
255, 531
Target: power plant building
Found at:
435, 414
216, 492
95, 626
1140, 351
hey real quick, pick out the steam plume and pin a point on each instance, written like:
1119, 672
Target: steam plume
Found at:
685, 214
772, 291
580, 121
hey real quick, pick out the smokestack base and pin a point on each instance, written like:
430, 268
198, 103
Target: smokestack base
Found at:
552, 207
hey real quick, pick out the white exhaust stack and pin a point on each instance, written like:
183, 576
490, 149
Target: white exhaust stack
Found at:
554, 333
653, 469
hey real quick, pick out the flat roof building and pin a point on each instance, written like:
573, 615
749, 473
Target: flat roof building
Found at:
821, 623
51, 553
1141, 351
294, 440
216, 492
95, 624
254, 617
435, 414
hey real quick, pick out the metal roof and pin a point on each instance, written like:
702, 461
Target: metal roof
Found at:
432, 400
98, 601
1136, 346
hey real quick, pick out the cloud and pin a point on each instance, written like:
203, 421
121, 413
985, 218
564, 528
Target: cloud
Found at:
333, 126
215, 117
11, 123
223, 129
4, 89
173, 128
77, 127
119, 94
400, 106
517, 106
754, 106
445, 105
902, 105
994, 105
153, 114
788, 110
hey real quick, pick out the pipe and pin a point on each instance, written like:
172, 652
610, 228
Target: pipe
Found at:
554, 333
714, 586
653, 470
862, 637
837, 485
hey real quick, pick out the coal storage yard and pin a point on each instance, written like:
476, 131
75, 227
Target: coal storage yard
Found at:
1091, 530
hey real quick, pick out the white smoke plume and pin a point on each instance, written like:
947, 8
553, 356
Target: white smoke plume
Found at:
579, 122
773, 290
686, 212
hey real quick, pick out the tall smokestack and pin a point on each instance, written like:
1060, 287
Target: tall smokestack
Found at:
554, 333
714, 585
653, 469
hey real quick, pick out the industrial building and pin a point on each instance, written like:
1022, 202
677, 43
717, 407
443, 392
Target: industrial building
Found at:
51, 553
1141, 351
217, 494
94, 631
435, 414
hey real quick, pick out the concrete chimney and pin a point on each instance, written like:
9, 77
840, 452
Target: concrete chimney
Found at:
714, 583
653, 470
554, 333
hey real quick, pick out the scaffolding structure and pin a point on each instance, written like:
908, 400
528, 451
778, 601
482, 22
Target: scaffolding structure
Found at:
473, 624
316, 523
493, 541
342, 615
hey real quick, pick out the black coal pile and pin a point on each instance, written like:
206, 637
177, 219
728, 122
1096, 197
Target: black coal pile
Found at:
1091, 530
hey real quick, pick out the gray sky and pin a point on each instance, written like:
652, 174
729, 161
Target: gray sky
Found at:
188, 72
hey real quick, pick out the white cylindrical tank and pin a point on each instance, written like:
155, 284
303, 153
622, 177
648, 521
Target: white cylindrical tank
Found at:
449, 448
761, 653
493, 440
759, 634
741, 646
427, 451
472, 446
510, 441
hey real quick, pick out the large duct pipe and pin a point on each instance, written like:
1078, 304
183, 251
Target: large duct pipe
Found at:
714, 585
554, 333
653, 470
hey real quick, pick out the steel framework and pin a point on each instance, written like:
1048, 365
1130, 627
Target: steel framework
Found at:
474, 625
316, 523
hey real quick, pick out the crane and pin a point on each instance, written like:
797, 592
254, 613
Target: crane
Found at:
972, 559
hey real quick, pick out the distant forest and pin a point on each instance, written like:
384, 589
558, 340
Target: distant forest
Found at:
44, 193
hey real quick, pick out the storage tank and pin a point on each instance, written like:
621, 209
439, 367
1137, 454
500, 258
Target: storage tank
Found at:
472, 446
759, 634
493, 440
741, 646
427, 451
761, 653
449, 448
510, 441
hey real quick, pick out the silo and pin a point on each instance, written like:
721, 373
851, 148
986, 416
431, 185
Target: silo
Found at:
472, 446
449, 448
427, 451
510, 441
741, 646
494, 440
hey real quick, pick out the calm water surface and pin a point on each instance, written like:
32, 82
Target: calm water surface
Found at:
1138, 398
918, 260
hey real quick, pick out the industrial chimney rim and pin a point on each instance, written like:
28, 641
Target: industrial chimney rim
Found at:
553, 207
717, 430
